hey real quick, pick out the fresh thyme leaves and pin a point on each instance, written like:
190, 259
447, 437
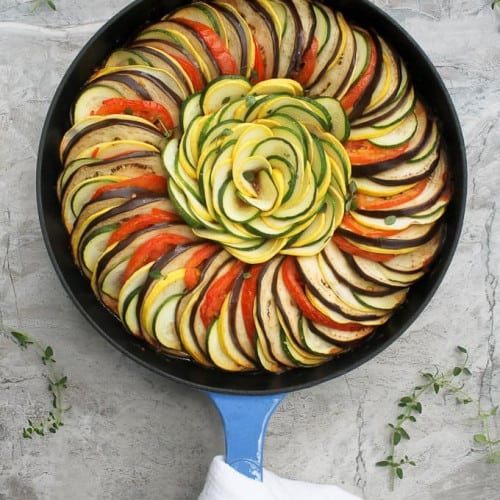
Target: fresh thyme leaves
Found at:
390, 220
449, 382
57, 383
49, 3
350, 203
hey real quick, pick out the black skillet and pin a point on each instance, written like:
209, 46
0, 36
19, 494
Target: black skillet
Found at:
247, 386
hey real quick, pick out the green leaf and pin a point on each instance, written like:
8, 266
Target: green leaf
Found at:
462, 349
156, 275
383, 463
250, 99
457, 371
396, 438
51, 4
405, 400
480, 438
403, 433
390, 220
466, 371
436, 387
399, 472
494, 458
48, 353
21, 338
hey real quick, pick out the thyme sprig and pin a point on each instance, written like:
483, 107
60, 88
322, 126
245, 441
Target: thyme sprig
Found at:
49, 3
448, 382
57, 383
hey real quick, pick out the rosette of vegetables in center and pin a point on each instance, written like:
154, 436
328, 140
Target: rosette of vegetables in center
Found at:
260, 169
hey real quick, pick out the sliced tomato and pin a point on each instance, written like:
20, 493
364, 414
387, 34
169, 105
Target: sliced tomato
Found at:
139, 222
192, 274
152, 182
366, 202
152, 250
347, 247
351, 224
192, 72
357, 90
222, 55
363, 152
217, 291
149, 110
259, 69
248, 294
294, 285
308, 63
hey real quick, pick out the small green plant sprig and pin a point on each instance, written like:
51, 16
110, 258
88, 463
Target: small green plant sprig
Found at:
57, 384
438, 381
50, 3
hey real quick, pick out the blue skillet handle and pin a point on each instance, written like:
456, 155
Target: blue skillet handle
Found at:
245, 421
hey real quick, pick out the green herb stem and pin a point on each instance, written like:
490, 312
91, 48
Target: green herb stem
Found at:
57, 382
447, 381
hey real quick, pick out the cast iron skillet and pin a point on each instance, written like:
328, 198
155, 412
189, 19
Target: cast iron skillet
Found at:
116, 33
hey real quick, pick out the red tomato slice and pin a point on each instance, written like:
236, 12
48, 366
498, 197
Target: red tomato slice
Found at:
151, 182
248, 294
149, 110
259, 69
293, 284
348, 247
363, 152
139, 222
225, 60
216, 293
356, 91
192, 275
308, 63
152, 250
366, 202
192, 72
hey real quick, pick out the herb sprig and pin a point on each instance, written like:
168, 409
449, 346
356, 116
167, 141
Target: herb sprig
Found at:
50, 3
57, 383
449, 382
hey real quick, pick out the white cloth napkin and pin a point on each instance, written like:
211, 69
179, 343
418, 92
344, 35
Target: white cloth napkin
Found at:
225, 483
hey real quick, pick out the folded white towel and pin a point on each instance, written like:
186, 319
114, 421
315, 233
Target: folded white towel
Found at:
225, 483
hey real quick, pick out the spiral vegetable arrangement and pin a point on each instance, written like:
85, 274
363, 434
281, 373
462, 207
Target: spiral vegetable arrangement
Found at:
253, 184
249, 175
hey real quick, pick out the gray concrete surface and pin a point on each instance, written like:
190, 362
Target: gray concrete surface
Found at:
132, 434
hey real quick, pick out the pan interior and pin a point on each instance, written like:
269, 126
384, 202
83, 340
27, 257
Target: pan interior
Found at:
115, 33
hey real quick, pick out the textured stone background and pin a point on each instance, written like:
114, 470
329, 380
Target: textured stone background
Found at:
133, 434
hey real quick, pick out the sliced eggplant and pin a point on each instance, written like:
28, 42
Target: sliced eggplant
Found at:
93, 130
